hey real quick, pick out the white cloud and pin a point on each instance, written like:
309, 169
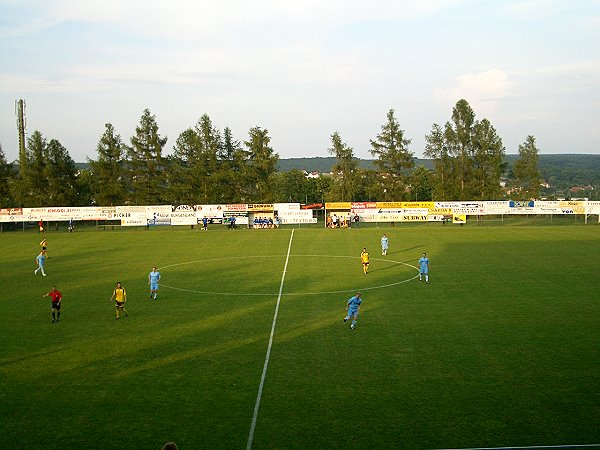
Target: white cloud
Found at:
481, 90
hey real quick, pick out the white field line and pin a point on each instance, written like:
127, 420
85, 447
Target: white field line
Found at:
262, 294
268, 355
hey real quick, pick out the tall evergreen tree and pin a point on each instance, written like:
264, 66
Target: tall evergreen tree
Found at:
468, 157
30, 191
235, 165
262, 163
435, 149
199, 165
394, 160
145, 162
344, 170
185, 172
211, 156
459, 141
526, 169
109, 177
488, 162
60, 175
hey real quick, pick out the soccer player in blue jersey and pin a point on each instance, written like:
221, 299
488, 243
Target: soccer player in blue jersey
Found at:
41, 261
424, 268
352, 308
153, 279
384, 244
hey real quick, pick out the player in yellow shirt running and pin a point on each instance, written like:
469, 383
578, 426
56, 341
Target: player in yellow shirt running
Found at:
364, 257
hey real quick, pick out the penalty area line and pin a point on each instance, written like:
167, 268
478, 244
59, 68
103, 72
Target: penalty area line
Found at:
268, 355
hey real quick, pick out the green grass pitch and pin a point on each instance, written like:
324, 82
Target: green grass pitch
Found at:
502, 348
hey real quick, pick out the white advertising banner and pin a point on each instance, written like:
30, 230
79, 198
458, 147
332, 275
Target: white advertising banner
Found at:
134, 219
158, 215
215, 211
299, 216
11, 215
593, 207
282, 208
183, 215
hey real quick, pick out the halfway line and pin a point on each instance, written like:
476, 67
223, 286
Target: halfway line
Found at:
264, 372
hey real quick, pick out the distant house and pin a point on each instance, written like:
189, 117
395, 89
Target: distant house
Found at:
545, 184
575, 189
314, 174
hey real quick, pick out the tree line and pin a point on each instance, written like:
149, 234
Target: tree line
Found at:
209, 166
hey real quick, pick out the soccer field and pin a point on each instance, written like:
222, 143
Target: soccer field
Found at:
501, 348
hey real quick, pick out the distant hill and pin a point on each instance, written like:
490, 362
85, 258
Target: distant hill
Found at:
571, 169
324, 164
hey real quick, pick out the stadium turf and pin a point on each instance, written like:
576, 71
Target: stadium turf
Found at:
502, 348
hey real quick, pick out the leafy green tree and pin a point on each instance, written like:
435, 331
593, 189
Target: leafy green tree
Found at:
319, 189
291, 186
6, 178
109, 176
59, 173
145, 162
85, 188
394, 160
526, 169
421, 181
343, 185
369, 185
262, 163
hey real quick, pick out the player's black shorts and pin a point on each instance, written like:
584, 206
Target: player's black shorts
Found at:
120, 305
56, 306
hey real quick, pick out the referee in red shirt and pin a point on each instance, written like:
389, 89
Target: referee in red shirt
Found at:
56, 300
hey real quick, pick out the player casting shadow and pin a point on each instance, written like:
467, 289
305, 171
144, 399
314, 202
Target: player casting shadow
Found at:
6, 362
407, 249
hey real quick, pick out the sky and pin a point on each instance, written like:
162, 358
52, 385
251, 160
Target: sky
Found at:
301, 70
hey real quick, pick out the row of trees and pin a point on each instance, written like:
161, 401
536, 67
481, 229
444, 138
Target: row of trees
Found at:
209, 166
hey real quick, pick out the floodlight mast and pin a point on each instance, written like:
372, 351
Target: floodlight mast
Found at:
21, 125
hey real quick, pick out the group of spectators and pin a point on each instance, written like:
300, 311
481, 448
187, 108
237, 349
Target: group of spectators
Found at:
266, 222
349, 221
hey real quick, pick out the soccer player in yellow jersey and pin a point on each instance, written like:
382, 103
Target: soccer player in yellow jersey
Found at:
120, 296
364, 257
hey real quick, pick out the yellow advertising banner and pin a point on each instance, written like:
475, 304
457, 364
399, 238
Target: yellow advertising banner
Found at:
389, 205
403, 205
428, 205
339, 205
573, 207
260, 207
443, 211
459, 218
